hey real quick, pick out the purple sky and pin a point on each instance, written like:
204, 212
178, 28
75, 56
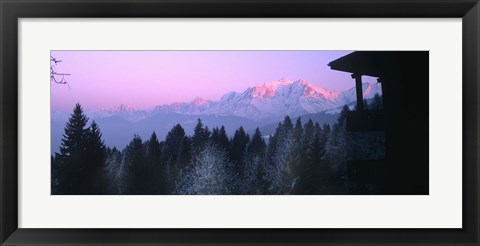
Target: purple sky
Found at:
144, 79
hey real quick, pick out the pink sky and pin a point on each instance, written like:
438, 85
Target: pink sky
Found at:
144, 79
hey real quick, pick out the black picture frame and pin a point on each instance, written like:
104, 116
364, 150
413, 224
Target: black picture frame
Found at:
12, 10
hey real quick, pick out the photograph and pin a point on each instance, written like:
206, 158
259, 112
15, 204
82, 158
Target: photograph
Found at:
280, 122
238, 122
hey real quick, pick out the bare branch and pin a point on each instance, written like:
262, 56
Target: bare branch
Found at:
56, 77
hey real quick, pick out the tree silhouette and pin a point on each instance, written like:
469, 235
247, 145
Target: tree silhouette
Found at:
254, 172
113, 163
71, 158
156, 180
94, 158
175, 155
200, 136
238, 146
377, 102
220, 138
237, 165
133, 169
337, 145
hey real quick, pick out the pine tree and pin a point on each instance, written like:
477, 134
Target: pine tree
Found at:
239, 143
298, 131
237, 151
200, 136
223, 140
269, 166
175, 155
155, 179
279, 171
324, 136
254, 164
257, 145
113, 163
304, 150
308, 132
215, 135
337, 146
184, 154
342, 118
377, 102
71, 167
298, 151
219, 137
317, 175
95, 157
133, 168
287, 123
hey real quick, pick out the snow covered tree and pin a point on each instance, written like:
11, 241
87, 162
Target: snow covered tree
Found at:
268, 163
279, 171
113, 162
206, 174
337, 145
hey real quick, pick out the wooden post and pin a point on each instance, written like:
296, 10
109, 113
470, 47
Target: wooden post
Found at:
359, 89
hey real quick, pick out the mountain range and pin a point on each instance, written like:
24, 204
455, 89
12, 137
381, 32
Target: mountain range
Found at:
261, 106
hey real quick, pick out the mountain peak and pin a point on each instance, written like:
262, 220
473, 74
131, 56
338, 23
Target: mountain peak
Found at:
282, 81
198, 101
285, 80
302, 82
122, 108
270, 99
268, 89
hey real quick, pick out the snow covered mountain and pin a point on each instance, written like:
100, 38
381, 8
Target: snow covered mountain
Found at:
260, 106
123, 110
272, 100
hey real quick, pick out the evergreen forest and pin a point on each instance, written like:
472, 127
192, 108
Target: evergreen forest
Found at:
300, 158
